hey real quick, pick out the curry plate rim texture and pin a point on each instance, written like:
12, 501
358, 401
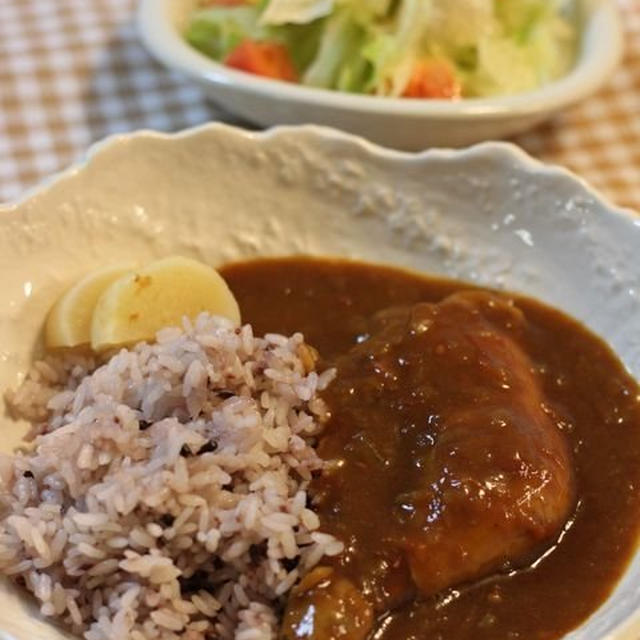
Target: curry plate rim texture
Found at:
488, 214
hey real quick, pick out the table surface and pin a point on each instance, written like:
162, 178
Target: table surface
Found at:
74, 71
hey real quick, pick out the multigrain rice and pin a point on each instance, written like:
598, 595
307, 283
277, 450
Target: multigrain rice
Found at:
165, 495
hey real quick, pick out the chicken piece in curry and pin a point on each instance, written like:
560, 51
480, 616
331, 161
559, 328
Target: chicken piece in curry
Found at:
453, 443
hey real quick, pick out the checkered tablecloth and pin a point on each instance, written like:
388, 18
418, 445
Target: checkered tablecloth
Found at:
73, 71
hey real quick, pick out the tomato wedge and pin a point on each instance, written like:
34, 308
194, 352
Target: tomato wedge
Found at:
268, 59
433, 79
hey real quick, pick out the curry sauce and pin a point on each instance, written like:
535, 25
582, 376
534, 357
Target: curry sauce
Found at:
564, 403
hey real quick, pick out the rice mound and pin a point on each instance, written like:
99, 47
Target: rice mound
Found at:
165, 495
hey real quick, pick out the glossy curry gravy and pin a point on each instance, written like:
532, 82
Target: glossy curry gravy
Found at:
385, 443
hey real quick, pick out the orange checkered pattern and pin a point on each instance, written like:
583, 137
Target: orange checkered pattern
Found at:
74, 71
599, 139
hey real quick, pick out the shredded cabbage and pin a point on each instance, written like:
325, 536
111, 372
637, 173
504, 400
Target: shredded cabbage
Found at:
279, 12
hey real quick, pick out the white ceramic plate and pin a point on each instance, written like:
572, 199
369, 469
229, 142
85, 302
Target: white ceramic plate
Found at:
489, 214
398, 123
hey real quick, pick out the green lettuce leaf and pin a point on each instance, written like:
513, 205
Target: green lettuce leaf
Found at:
218, 30
302, 41
341, 38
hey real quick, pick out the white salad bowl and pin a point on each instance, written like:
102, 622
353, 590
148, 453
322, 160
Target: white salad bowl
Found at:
488, 214
394, 122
